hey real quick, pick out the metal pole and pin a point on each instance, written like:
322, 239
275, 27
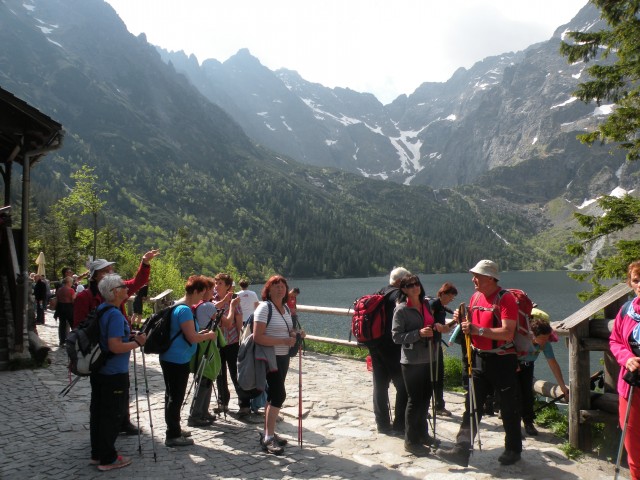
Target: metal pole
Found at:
624, 433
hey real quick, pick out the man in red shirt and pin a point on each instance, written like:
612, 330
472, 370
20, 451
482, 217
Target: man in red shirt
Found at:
491, 323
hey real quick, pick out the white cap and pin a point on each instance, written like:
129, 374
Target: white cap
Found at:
98, 264
486, 267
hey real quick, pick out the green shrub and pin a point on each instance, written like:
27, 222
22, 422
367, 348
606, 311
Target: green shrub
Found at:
452, 373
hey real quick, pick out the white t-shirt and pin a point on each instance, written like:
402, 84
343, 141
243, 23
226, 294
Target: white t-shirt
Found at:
277, 326
248, 299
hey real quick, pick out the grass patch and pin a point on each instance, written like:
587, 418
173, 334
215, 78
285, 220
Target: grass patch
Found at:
357, 353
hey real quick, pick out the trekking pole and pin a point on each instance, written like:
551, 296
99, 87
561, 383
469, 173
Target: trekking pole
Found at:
135, 383
432, 379
300, 396
146, 388
548, 404
624, 432
473, 406
68, 388
197, 376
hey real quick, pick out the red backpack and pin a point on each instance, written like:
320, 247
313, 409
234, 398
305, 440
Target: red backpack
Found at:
369, 317
522, 337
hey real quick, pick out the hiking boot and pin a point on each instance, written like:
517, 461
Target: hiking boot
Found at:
178, 442
530, 429
271, 446
443, 412
458, 455
509, 457
416, 449
199, 422
185, 433
117, 463
384, 429
130, 429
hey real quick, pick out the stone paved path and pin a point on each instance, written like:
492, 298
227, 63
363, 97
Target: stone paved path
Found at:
45, 436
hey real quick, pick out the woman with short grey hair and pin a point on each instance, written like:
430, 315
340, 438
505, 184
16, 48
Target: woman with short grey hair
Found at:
110, 385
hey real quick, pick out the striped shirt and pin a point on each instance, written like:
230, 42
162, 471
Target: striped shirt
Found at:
277, 326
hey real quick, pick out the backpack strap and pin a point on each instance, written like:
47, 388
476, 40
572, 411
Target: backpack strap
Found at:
99, 314
180, 332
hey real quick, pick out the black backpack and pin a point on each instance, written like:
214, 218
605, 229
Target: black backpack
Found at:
158, 330
83, 345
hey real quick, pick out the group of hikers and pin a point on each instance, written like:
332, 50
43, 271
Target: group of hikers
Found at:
409, 355
193, 323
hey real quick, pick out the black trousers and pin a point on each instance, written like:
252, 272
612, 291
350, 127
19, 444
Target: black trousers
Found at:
525, 389
229, 360
176, 378
489, 373
109, 404
385, 359
417, 381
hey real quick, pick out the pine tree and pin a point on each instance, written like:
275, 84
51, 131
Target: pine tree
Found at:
615, 79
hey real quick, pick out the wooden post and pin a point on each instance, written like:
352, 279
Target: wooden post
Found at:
579, 375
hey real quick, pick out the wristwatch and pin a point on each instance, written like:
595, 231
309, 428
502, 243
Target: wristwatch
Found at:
481, 331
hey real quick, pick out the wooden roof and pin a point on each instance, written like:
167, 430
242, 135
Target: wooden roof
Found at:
613, 294
25, 131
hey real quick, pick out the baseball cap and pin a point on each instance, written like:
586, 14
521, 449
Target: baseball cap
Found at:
98, 264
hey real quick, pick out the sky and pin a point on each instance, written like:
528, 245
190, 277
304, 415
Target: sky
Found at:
384, 47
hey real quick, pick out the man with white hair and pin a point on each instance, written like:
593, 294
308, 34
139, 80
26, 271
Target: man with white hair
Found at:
385, 359
490, 326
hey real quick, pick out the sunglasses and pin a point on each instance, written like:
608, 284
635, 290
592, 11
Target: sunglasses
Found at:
119, 286
411, 285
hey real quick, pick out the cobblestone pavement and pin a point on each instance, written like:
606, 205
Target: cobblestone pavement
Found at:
45, 436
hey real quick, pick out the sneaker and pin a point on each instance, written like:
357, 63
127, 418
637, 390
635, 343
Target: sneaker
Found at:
443, 412
117, 463
178, 442
199, 422
416, 449
430, 441
208, 416
458, 455
130, 429
271, 446
94, 461
509, 457
530, 429
244, 412
280, 441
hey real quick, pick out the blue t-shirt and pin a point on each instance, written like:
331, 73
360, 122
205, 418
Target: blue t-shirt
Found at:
180, 351
113, 324
533, 355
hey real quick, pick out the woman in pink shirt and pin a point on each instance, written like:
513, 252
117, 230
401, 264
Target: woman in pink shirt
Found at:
625, 347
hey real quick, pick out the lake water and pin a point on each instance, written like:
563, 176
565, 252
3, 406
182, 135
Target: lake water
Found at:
554, 292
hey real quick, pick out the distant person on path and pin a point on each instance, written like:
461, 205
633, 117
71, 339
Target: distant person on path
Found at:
141, 296
625, 347
446, 294
91, 297
248, 300
413, 327
281, 335
231, 329
494, 364
385, 360
292, 303
110, 386
40, 294
542, 333
175, 361
65, 295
